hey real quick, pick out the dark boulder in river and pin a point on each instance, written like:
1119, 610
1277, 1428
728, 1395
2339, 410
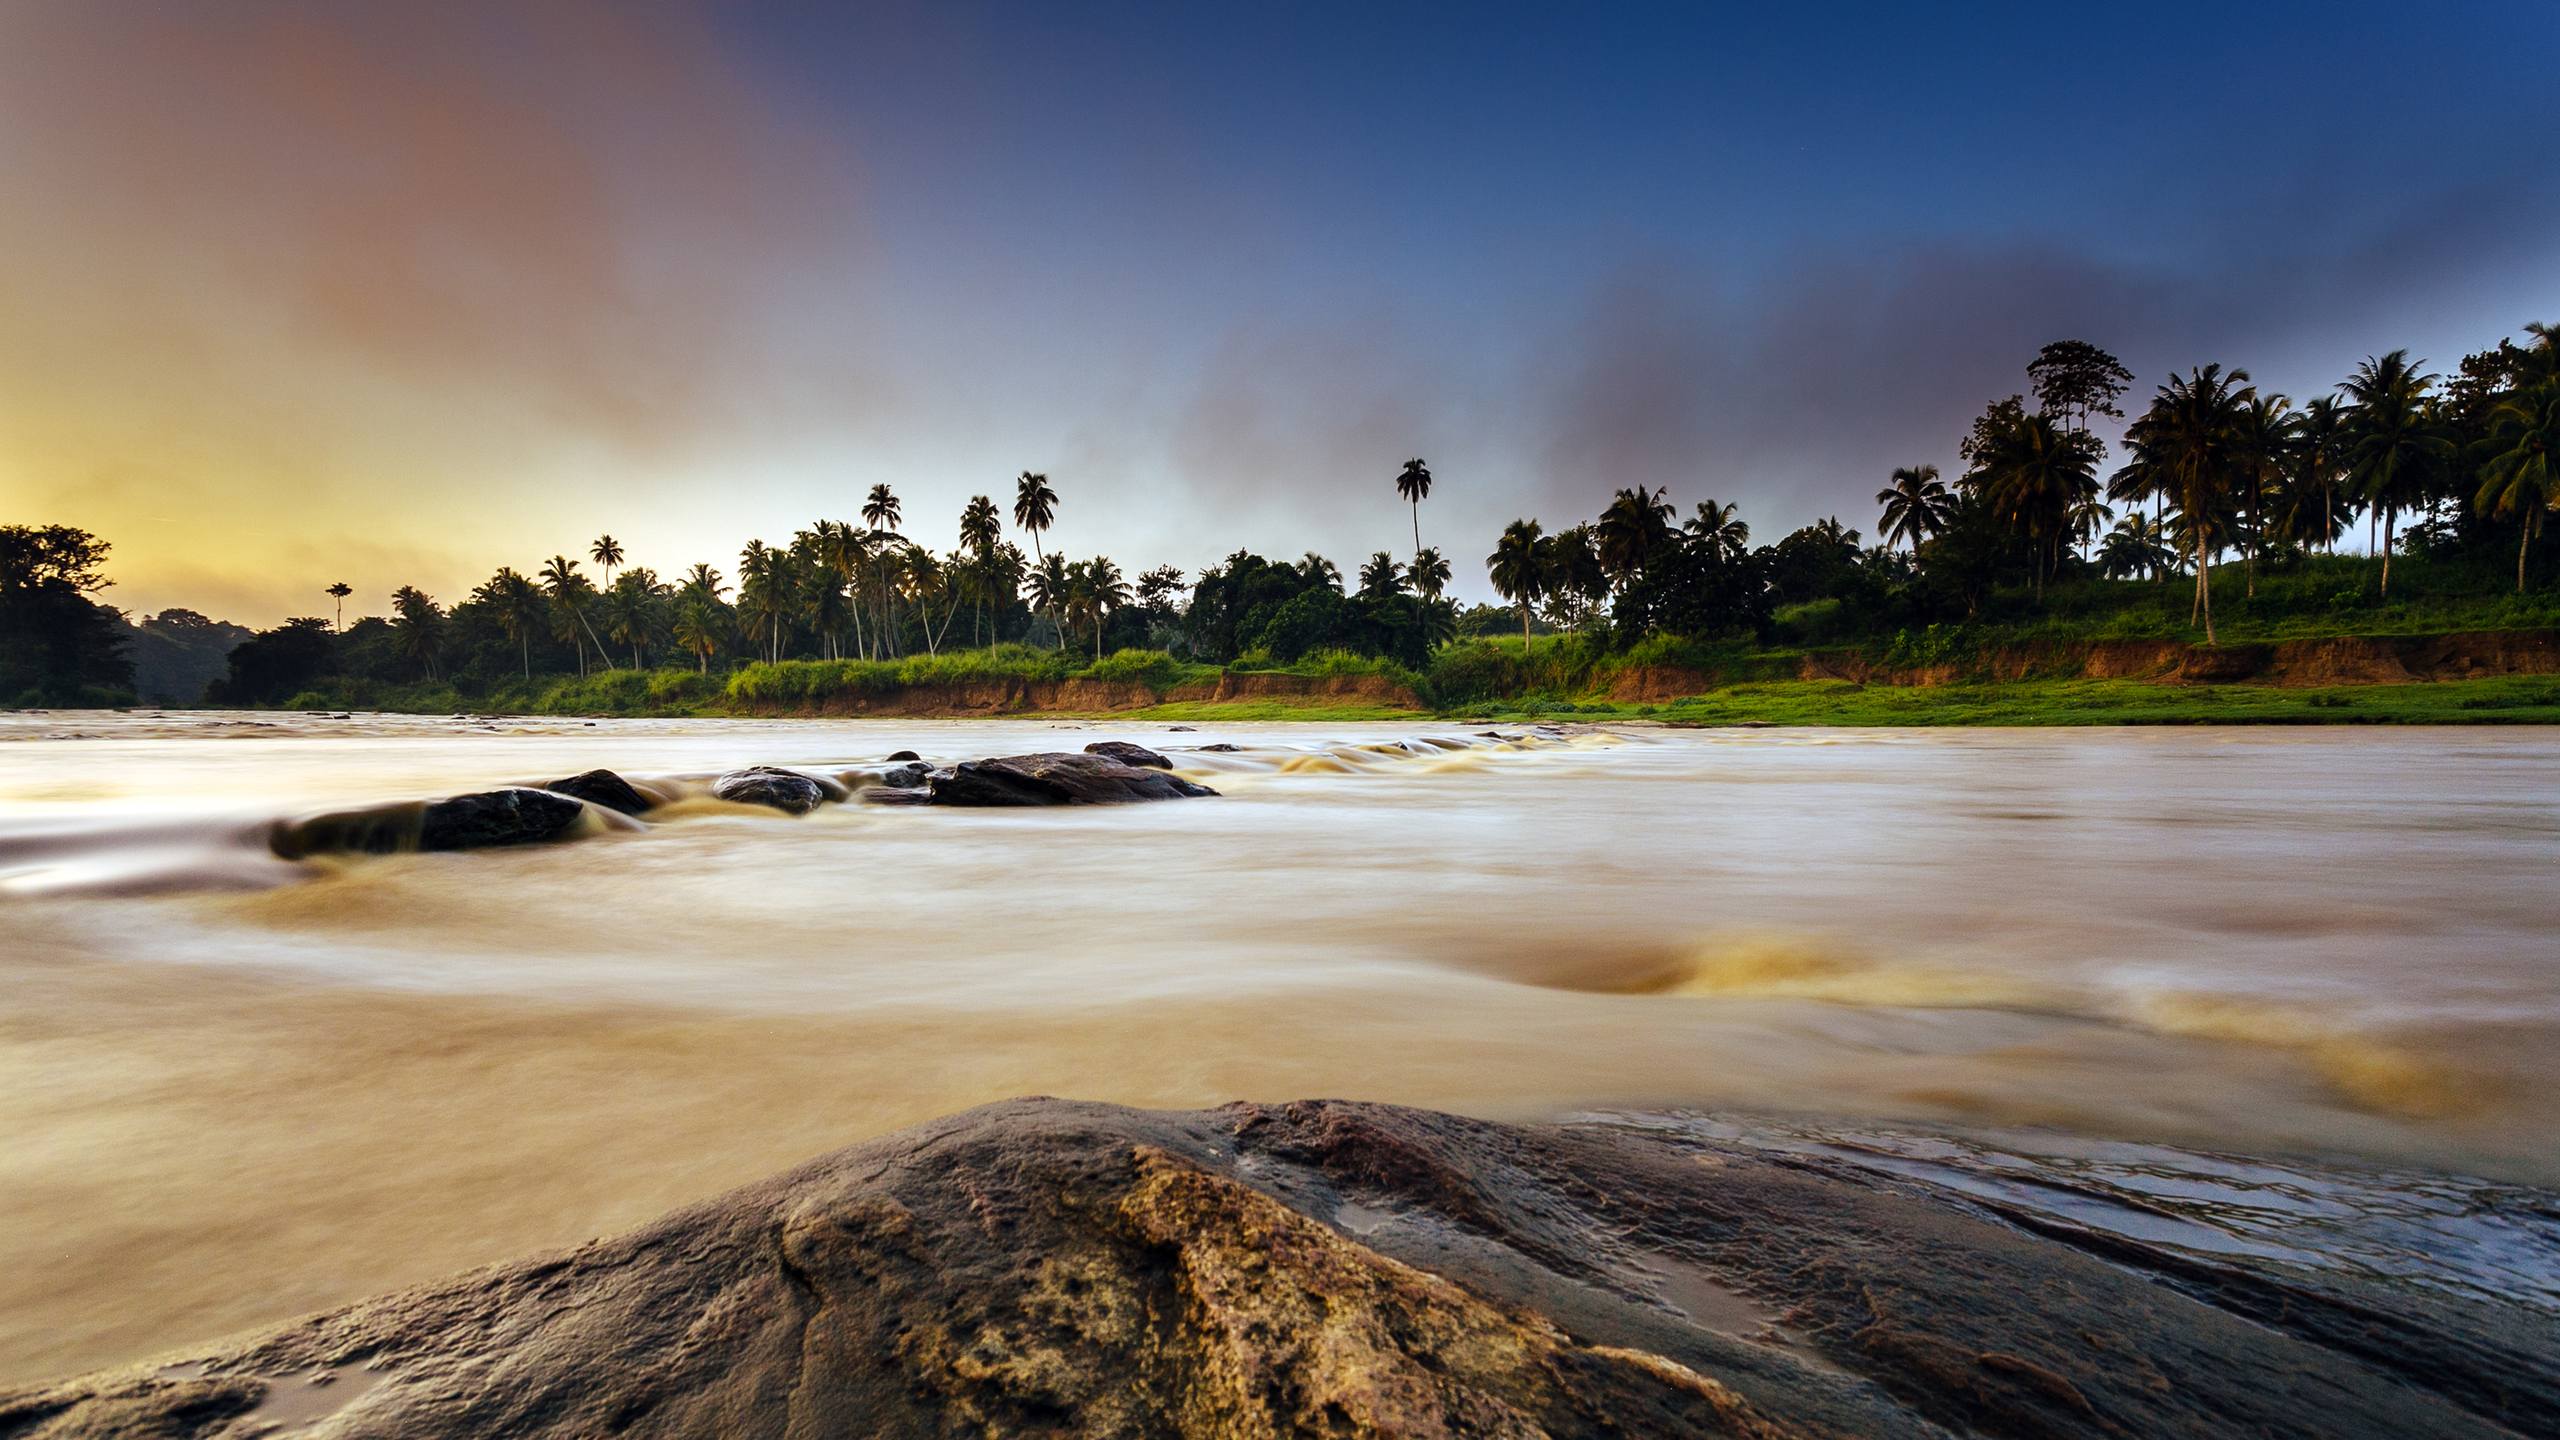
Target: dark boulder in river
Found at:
1056, 778
1047, 1267
1128, 754
788, 791
514, 816
603, 787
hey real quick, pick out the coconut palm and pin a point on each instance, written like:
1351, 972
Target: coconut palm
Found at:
630, 609
570, 593
1915, 506
2138, 547
606, 552
980, 528
2392, 439
417, 624
1381, 577
764, 592
1047, 583
517, 604
1635, 527
339, 592
1720, 526
1035, 507
1314, 569
1429, 573
2314, 510
2519, 480
1103, 592
698, 630
2185, 443
882, 512
2037, 474
1413, 482
1515, 569
2262, 452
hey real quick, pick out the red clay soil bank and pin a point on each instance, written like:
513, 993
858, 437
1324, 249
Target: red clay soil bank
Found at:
1053, 1268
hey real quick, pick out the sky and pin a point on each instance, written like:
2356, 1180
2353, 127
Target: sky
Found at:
293, 293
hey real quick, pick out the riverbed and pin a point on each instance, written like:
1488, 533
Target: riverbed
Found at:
235, 1088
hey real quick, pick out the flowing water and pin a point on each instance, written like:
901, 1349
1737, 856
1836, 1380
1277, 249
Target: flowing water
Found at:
2091, 964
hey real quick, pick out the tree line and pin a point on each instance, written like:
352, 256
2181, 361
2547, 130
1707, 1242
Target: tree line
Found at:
2212, 469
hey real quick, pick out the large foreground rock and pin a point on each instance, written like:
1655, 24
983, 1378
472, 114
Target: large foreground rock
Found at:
1048, 1268
512, 816
1057, 779
788, 791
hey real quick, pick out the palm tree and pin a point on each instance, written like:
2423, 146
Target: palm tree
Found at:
697, 630
631, 611
1381, 577
606, 552
1049, 584
882, 512
1103, 592
764, 592
1515, 570
568, 591
1720, 526
1035, 507
2312, 510
418, 623
1429, 573
2136, 548
2185, 441
2262, 451
1915, 506
517, 602
2519, 479
1635, 526
2037, 474
339, 592
1314, 569
980, 528
1413, 482
2391, 436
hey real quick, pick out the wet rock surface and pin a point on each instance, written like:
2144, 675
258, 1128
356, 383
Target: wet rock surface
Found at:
1128, 754
1057, 1268
788, 791
605, 788
490, 818
1057, 779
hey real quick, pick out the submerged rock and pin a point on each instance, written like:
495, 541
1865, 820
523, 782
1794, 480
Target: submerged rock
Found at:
1220, 748
1128, 754
513, 816
895, 755
605, 788
1056, 778
788, 791
1048, 1267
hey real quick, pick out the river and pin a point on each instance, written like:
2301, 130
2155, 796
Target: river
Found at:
233, 1088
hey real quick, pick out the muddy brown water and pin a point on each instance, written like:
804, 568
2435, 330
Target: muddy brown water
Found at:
233, 1089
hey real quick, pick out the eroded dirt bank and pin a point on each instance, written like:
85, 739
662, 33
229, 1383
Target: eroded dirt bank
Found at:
980, 698
1059, 1268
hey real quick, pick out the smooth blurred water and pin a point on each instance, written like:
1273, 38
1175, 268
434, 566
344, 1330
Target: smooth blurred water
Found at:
233, 1088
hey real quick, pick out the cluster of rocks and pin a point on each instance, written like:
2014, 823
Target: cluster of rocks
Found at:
1108, 772
1351, 1272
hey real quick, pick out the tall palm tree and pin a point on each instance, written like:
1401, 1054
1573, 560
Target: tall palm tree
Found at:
631, 609
697, 630
1515, 570
339, 591
569, 593
2519, 480
1035, 508
606, 552
2392, 437
1381, 576
882, 512
1104, 592
1429, 573
518, 604
1413, 482
980, 528
1915, 506
2186, 442
1049, 584
2319, 463
1720, 526
764, 592
2262, 452
417, 623
2036, 473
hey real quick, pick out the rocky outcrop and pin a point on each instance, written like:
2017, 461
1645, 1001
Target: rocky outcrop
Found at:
1128, 754
1340, 1270
1056, 779
513, 816
605, 788
788, 791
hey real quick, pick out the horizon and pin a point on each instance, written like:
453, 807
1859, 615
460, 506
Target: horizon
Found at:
304, 295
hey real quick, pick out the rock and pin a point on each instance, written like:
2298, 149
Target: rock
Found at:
1128, 754
1050, 1267
910, 776
1056, 779
886, 795
1221, 748
603, 787
514, 816
1179, 728
788, 791
904, 755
